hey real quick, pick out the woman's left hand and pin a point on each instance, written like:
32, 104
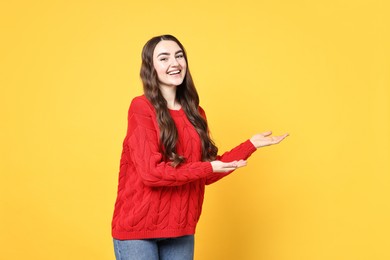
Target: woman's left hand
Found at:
265, 139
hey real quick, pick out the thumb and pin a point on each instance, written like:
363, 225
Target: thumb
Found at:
266, 133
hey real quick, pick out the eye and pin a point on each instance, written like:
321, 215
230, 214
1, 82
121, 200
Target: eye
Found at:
163, 59
179, 56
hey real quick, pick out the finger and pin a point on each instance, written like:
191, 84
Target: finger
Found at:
284, 136
233, 165
241, 163
278, 139
230, 165
240, 166
228, 169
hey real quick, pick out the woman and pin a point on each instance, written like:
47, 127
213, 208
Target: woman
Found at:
167, 159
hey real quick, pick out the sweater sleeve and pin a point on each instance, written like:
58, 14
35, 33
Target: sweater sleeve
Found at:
240, 152
143, 145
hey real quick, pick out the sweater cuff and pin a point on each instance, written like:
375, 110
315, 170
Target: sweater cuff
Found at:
208, 168
249, 147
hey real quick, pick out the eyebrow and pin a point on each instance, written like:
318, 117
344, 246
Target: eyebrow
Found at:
167, 53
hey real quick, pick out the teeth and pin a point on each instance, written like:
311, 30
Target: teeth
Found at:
174, 72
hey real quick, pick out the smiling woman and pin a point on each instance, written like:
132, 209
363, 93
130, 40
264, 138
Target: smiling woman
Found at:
168, 157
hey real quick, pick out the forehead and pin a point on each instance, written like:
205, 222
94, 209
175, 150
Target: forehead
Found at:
165, 46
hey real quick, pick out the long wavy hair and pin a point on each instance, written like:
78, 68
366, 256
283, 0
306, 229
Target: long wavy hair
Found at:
188, 98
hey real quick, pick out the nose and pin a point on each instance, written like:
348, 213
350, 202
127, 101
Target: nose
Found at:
174, 62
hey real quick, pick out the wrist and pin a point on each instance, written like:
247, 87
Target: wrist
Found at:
254, 143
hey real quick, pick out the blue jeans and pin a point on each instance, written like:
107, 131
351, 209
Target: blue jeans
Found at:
178, 248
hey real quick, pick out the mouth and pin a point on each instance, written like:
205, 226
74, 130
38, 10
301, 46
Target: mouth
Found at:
174, 72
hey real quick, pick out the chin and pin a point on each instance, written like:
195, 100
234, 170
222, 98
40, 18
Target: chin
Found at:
177, 83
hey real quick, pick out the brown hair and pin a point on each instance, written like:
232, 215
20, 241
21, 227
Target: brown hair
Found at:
188, 98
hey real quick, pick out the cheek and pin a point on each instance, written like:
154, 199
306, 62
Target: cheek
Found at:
160, 69
184, 65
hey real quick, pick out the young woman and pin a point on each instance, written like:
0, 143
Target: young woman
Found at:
167, 159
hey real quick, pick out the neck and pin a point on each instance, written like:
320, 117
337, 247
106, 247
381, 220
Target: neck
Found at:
169, 94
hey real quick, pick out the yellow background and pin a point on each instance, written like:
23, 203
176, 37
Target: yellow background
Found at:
317, 69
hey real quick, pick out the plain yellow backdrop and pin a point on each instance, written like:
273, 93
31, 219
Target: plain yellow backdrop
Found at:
316, 69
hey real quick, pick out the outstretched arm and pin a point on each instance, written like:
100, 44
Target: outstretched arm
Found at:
242, 152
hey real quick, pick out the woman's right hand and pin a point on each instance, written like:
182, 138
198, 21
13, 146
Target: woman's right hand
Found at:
219, 166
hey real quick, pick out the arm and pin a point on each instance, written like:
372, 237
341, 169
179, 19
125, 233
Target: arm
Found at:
242, 152
143, 143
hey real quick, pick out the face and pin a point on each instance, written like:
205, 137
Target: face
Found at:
169, 63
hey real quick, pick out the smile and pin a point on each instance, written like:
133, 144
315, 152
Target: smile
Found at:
174, 72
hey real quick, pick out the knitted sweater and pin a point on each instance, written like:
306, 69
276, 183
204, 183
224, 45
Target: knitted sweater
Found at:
154, 199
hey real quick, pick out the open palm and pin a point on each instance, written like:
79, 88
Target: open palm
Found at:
265, 139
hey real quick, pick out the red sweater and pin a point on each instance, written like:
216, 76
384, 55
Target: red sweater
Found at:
155, 200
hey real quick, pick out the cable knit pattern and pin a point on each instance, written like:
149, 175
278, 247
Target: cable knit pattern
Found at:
154, 199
